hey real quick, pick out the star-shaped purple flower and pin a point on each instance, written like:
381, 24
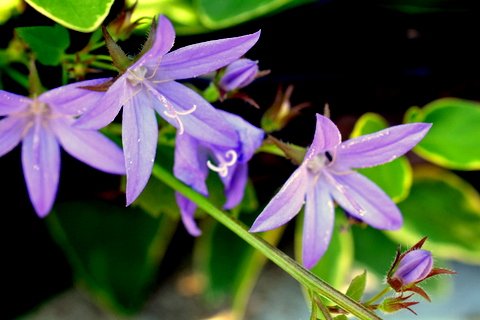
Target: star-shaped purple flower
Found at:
194, 158
148, 85
43, 125
326, 175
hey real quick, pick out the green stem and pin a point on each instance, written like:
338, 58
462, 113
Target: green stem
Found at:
377, 296
301, 274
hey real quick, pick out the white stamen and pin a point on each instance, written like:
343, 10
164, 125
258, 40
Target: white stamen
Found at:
172, 113
222, 168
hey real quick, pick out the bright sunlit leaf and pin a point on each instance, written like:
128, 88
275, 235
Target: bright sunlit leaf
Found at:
79, 15
444, 208
454, 140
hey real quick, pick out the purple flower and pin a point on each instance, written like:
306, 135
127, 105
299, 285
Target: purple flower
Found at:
43, 125
326, 175
148, 86
238, 75
194, 158
413, 267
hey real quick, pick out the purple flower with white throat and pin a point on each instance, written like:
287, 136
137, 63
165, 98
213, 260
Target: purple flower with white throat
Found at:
194, 158
147, 84
43, 125
326, 174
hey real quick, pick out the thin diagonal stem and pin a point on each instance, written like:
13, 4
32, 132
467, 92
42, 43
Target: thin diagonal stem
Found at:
301, 274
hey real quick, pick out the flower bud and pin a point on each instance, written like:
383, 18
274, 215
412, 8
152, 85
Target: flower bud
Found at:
238, 75
414, 267
411, 268
390, 305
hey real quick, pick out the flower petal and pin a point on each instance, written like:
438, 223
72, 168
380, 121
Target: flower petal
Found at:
105, 111
380, 211
327, 136
90, 147
235, 186
11, 133
190, 165
187, 210
13, 103
164, 38
72, 100
202, 58
41, 167
251, 137
317, 225
139, 136
205, 123
382, 146
286, 203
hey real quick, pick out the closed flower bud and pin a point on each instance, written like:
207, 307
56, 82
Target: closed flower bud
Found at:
414, 267
238, 75
411, 268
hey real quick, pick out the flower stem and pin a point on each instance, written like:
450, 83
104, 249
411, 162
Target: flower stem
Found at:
298, 272
377, 296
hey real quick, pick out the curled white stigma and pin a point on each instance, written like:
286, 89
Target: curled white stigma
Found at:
222, 168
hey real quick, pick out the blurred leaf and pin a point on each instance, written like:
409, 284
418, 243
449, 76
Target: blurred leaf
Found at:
78, 15
215, 14
454, 139
341, 317
444, 208
357, 287
48, 43
427, 6
395, 177
374, 250
197, 16
230, 265
114, 251
334, 266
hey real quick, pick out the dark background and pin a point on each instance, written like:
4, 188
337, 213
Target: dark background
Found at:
357, 56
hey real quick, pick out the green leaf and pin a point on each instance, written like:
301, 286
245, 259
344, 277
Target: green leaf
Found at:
357, 287
114, 251
453, 140
334, 266
395, 177
444, 208
215, 14
374, 250
48, 43
79, 15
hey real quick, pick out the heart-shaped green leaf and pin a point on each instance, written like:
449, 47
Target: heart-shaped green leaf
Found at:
454, 139
48, 43
79, 15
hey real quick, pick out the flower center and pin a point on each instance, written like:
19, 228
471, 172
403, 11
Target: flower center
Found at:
223, 163
319, 162
136, 76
